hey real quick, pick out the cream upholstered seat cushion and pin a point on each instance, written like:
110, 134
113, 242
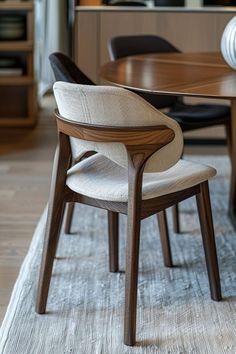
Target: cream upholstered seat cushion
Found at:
117, 107
100, 178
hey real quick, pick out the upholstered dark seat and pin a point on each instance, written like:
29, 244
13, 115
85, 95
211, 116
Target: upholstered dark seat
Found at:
187, 115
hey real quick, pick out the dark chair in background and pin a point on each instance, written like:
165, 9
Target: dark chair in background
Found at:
189, 116
64, 69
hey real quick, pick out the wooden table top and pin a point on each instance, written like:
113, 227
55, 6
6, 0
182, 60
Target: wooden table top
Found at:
187, 74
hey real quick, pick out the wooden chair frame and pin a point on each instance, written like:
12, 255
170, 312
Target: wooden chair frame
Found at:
140, 143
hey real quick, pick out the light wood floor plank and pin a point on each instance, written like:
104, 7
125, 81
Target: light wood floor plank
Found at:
25, 167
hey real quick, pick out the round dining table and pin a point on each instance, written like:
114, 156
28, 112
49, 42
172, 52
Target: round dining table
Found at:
181, 74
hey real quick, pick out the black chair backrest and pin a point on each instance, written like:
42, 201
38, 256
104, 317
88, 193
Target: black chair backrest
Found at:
65, 69
123, 46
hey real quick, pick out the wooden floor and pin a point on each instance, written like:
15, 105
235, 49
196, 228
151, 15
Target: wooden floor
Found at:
25, 167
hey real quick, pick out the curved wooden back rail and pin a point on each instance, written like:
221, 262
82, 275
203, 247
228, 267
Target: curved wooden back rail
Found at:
158, 135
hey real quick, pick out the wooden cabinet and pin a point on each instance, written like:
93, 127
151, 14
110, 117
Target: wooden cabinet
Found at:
17, 84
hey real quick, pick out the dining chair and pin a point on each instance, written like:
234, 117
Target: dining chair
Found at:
66, 70
137, 171
189, 116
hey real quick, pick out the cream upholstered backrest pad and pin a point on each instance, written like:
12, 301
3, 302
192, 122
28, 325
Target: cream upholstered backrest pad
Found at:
113, 106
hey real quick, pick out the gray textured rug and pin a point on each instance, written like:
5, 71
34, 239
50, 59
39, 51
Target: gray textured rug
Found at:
85, 307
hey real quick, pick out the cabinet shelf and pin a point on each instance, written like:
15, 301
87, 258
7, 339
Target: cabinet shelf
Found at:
16, 80
16, 46
17, 5
18, 92
17, 122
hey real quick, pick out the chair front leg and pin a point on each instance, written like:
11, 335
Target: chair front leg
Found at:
165, 240
208, 237
54, 220
113, 241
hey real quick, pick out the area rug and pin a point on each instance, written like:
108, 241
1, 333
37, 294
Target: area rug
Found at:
85, 305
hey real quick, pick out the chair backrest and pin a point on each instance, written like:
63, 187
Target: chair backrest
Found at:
113, 106
123, 46
65, 69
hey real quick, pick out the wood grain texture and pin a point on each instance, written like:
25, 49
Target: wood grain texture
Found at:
130, 136
187, 74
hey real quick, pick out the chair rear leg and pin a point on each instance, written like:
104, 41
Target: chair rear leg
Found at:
208, 237
69, 216
176, 218
165, 240
113, 241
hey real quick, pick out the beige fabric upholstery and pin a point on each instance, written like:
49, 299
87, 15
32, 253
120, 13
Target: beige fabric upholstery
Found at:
106, 105
100, 178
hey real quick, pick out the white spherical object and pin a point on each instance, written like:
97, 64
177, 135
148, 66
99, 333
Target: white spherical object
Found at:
228, 43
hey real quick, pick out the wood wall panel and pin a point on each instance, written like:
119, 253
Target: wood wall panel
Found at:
87, 42
188, 31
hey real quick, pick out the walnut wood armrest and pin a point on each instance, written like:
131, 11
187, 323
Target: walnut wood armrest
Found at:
157, 135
